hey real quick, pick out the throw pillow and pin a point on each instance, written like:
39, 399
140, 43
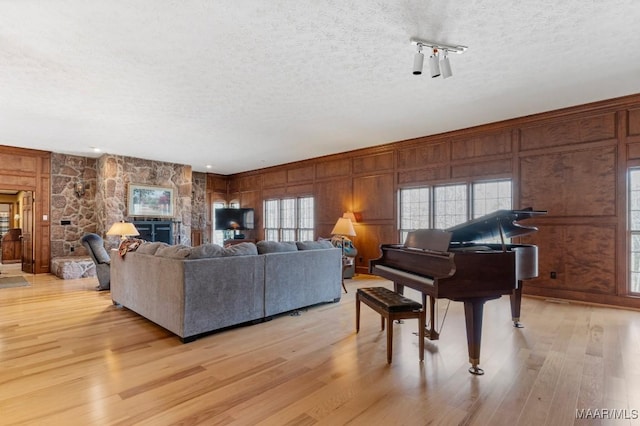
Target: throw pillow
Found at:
276, 246
241, 249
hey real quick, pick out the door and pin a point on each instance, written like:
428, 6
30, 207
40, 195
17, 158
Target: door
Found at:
27, 232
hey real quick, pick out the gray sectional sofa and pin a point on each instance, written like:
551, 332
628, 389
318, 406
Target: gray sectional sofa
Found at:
195, 290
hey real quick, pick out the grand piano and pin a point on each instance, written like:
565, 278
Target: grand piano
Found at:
456, 264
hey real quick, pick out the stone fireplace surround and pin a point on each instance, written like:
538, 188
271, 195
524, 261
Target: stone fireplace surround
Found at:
104, 201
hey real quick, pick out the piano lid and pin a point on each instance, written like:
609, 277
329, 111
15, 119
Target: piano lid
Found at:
490, 226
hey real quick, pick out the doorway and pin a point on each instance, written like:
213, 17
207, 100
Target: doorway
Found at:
16, 231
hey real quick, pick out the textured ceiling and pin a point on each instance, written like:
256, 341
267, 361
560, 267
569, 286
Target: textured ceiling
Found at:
248, 84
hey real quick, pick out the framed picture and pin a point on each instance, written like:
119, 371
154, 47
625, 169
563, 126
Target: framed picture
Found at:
150, 201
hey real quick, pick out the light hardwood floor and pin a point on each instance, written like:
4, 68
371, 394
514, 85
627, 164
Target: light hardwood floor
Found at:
69, 357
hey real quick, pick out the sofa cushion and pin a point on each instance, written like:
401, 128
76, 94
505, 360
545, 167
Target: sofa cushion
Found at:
150, 248
276, 246
241, 249
205, 251
177, 252
314, 245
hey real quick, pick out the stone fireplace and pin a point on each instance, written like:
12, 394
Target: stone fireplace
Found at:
105, 181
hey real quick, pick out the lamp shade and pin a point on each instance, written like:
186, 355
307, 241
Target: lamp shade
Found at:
344, 227
123, 229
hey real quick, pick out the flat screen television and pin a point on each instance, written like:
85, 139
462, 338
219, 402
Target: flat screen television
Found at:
239, 219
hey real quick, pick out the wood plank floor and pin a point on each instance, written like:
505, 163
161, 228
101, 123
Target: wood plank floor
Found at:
68, 356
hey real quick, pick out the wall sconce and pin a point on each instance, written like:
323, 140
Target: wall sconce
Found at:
350, 215
79, 188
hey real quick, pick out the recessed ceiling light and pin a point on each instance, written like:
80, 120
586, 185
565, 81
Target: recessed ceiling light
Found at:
208, 166
94, 149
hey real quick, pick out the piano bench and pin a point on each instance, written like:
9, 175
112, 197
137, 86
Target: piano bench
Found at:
391, 306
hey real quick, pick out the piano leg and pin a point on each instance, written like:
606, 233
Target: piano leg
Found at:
473, 309
516, 299
431, 332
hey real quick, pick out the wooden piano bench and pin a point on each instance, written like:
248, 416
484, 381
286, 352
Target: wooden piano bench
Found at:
391, 306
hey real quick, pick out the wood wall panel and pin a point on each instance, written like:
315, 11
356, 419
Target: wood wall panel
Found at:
245, 183
17, 163
250, 183
633, 151
373, 163
569, 132
423, 175
217, 183
334, 168
18, 182
332, 198
567, 162
367, 241
633, 122
578, 183
272, 193
300, 190
583, 257
481, 146
373, 197
301, 174
276, 178
423, 156
477, 170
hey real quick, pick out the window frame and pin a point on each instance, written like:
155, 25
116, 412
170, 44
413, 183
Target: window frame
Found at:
633, 231
469, 201
288, 226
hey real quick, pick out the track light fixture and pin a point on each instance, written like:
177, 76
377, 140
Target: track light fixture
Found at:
418, 60
445, 66
434, 66
439, 59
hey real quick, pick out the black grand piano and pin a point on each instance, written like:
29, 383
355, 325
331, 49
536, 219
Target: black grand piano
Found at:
455, 264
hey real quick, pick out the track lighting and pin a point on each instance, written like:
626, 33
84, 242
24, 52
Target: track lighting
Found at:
438, 61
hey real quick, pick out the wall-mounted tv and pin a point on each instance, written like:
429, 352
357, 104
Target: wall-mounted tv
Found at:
239, 219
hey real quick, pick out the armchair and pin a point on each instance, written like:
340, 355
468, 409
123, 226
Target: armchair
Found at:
95, 246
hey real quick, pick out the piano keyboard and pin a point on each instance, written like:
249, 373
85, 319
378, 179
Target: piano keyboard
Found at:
397, 272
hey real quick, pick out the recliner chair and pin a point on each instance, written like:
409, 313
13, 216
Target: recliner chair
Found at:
95, 246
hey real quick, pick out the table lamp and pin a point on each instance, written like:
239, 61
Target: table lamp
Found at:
123, 229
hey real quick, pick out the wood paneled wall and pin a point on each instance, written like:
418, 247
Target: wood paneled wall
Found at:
30, 170
571, 162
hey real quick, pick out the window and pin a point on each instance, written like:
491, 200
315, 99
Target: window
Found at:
415, 210
289, 219
217, 236
449, 205
491, 196
634, 229
444, 206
